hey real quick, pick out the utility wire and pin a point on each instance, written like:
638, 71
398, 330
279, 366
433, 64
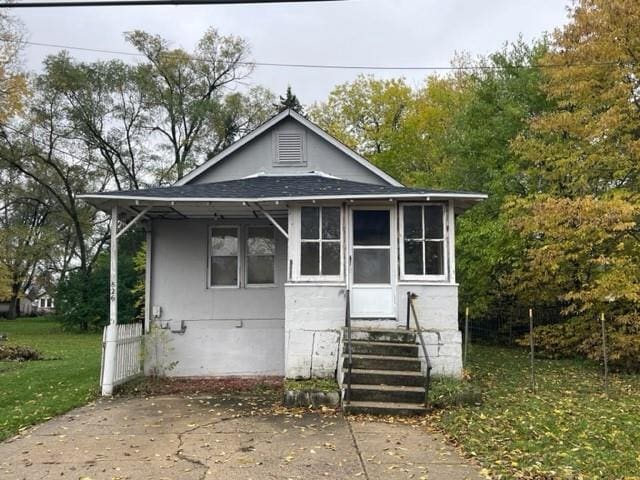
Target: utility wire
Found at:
133, 3
333, 66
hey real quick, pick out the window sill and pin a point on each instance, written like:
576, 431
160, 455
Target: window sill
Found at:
434, 283
319, 283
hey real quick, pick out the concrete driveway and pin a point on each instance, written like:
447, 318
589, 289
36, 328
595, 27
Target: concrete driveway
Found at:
223, 437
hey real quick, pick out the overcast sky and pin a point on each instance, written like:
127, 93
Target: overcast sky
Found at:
352, 32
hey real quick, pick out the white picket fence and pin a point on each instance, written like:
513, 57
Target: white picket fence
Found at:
129, 353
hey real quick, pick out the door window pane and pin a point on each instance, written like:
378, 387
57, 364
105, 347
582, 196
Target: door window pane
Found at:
371, 227
433, 222
434, 258
310, 258
310, 229
371, 265
330, 223
412, 222
331, 258
413, 258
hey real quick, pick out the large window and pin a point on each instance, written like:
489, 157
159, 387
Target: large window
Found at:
261, 254
424, 243
224, 256
371, 246
320, 240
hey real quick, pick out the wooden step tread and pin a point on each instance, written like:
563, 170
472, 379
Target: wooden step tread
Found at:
384, 344
386, 388
381, 357
418, 407
407, 373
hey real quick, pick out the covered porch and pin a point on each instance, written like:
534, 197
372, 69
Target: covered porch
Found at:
249, 276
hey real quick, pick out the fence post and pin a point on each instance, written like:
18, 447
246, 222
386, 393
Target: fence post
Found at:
604, 353
533, 375
466, 335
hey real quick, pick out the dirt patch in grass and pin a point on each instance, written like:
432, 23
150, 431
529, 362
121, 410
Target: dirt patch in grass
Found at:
19, 353
201, 385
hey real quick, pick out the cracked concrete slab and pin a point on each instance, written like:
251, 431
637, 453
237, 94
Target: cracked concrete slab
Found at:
227, 437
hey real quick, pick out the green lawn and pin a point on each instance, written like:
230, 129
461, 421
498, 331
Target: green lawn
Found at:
567, 429
31, 392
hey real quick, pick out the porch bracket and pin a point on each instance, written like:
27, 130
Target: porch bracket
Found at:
133, 222
272, 220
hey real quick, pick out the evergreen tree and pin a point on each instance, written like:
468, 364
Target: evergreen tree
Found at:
290, 100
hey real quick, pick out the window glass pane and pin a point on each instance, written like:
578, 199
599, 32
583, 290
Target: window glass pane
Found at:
260, 241
260, 270
331, 223
331, 258
433, 222
224, 241
224, 270
310, 258
371, 265
413, 258
412, 222
310, 229
371, 227
434, 256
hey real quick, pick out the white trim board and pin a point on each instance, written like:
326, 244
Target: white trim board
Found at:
196, 172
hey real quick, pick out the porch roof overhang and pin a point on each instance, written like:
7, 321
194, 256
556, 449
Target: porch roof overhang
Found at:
272, 192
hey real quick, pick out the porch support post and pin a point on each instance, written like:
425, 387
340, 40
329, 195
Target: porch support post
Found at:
147, 281
272, 220
108, 372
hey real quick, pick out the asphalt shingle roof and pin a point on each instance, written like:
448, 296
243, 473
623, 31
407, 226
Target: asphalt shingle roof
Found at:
267, 186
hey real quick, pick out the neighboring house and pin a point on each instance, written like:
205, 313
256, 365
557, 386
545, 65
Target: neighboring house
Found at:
25, 307
252, 254
43, 304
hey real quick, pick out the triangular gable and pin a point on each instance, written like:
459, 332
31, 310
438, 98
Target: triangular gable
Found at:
197, 172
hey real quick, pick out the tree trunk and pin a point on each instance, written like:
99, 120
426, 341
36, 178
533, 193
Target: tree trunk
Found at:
14, 307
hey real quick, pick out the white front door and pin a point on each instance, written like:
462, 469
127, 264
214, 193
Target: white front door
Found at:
372, 263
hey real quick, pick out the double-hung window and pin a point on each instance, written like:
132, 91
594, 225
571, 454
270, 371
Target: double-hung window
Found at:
424, 242
242, 256
225, 257
261, 254
320, 242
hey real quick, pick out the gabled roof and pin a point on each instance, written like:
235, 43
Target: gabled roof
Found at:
270, 124
273, 188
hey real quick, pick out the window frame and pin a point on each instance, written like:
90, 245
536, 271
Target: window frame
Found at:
297, 259
238, 254
245, 257
444, 240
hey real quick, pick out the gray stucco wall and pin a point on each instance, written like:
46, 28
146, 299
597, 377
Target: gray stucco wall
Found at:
257, 156
228, 330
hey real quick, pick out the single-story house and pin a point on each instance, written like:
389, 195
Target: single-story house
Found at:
258, 257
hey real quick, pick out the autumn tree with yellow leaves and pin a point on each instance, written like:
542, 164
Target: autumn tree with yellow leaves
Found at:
582, 164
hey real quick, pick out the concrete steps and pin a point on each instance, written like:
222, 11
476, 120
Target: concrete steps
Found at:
386, 375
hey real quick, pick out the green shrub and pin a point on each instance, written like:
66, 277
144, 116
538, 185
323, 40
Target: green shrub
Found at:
19, 353
581, 336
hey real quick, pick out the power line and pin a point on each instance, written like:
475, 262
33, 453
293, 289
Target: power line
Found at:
132, 3
335, 66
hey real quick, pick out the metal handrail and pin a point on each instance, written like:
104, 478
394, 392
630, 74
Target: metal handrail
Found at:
347, 320
412, 309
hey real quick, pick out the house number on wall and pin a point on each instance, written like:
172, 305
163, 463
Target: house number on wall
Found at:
113, 291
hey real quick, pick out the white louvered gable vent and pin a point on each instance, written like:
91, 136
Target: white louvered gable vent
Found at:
289, 148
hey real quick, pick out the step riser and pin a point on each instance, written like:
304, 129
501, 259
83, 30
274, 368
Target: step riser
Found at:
382, 349
395, 337
380, 379
382, 411
385, 396
392, 364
